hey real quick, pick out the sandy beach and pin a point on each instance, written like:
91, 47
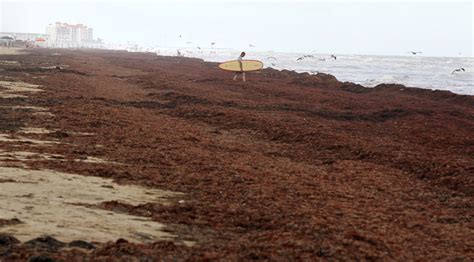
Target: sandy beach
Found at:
169, 158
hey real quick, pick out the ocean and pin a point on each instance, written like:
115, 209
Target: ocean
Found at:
420, 71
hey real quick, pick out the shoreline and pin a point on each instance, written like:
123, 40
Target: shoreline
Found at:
346, 72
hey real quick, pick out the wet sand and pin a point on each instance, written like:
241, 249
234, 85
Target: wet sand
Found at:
284, 167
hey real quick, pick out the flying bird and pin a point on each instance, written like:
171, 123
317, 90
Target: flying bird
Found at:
198, 48
272, 57
251, 45
213, 43
415, 53
179, 36
334, 57
458, 70
303, 57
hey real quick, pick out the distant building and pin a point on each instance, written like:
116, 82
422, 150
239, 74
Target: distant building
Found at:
65, 35
58, 35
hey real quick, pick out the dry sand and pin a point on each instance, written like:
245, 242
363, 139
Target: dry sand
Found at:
14, 89
12, 51
56, 204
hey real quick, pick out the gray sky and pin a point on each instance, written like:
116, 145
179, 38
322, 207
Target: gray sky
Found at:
384, 28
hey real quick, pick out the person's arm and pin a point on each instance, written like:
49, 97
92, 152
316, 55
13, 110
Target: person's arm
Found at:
239, 59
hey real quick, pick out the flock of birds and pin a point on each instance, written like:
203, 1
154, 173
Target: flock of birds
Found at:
311, 56
301, 58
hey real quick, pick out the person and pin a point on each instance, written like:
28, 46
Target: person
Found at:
241, 56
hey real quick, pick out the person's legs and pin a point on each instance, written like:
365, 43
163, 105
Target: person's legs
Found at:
235, 76
243, 76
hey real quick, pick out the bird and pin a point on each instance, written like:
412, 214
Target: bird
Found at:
213, 43
250, 45
415, 53
198, 48
334, 57
273, 64
458, 70
272, 57
188, 43
303, 57
179, 36
322, 59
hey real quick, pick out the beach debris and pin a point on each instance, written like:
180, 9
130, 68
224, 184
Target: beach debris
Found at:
45, 242
81, 244
8, 240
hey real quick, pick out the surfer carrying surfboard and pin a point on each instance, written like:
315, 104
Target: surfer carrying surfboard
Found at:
241, 66
239, 59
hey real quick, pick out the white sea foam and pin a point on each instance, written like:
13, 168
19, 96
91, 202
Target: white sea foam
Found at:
367, 70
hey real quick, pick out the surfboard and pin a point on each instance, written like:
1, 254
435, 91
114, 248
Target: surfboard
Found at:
248, 65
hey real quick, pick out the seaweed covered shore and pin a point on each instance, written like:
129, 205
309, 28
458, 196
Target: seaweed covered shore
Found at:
286, 166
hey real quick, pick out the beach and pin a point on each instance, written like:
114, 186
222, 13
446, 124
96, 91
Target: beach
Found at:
286, 166
421, 71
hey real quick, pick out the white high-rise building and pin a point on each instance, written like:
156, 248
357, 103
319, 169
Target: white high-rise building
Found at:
67, 36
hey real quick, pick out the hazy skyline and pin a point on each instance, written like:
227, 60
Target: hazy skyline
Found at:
436, 29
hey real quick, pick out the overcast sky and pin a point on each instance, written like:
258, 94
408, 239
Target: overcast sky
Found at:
385, 28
